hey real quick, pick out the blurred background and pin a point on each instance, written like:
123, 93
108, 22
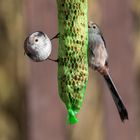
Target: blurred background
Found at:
30, 107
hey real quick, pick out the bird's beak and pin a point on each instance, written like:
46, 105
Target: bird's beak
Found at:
32, 40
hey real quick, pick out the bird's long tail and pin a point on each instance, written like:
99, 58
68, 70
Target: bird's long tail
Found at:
116, 97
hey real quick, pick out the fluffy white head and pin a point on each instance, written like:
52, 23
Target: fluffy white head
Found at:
38, 46
93, 28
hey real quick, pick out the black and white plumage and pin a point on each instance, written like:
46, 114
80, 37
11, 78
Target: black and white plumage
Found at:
97, 59
38, 46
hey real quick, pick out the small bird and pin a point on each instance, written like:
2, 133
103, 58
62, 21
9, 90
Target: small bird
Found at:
38, 46
98, 60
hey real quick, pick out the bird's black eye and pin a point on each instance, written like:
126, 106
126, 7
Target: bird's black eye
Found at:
94, 26
36, 40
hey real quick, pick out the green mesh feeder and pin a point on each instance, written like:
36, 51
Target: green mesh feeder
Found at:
72, 54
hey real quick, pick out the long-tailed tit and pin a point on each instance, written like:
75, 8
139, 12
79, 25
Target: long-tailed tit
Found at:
38, 46
98, 60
